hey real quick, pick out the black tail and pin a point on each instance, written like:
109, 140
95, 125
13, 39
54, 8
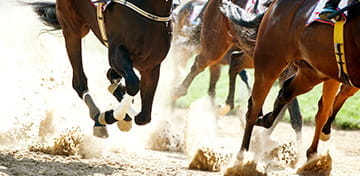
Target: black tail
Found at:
47, 13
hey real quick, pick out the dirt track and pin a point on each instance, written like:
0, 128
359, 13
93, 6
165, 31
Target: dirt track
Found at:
36, 87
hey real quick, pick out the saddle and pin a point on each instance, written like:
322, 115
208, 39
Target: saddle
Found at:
338, 34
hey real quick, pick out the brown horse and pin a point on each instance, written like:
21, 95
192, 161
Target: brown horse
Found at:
136, 39
284, 26
217, 36
186, 38
244, 31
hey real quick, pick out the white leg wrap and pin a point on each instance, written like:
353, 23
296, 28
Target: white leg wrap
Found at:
122, 109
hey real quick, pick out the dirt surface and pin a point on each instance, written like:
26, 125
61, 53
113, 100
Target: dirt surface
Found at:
39, 108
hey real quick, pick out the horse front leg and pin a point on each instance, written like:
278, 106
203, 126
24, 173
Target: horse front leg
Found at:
79, 80
148, 84
265, 76
325, 104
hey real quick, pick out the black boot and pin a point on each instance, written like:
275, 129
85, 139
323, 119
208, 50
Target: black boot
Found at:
330, 8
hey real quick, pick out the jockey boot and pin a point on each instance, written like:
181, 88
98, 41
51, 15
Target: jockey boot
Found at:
330, 8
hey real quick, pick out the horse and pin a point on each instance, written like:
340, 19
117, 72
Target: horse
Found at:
137, 34
295, 42
217, 37
243, 28
186, 40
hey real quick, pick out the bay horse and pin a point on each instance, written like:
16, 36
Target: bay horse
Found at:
138, 36
284, 26
216, 38
243, 28
186, 39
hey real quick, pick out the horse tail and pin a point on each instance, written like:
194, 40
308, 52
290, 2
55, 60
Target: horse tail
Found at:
235, 14
47, 13
244, 78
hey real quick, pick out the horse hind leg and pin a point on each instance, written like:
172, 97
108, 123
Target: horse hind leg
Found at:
238, 63
325, 104
214, 78
293, 106
345, 92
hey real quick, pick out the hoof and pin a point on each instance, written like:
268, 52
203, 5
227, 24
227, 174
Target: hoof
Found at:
240, 155
140, 120
223, 109
324, 137
125, 125
178, 92
100, 131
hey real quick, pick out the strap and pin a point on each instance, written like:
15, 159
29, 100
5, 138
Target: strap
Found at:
143, 12
101, 23
340, 51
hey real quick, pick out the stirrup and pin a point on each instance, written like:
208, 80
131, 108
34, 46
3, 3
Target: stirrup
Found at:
326, 13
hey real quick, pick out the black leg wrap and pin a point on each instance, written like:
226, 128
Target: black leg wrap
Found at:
109, 117
127, 118
96, 119
119, 93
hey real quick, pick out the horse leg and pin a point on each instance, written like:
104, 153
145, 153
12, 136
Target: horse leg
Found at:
148, 84
325, 105
116, 88
73, 36
345, 92
238, 63
293, 106
214, 78
304, 81
121, 63
265, 76
198, 66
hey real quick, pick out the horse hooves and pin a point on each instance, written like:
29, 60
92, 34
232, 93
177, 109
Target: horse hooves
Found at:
100, 131
140, 120
125, 125
324, 137
223, 109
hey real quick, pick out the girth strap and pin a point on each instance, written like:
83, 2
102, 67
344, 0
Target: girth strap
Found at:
100, 16
340, 51
101, 23
143, 12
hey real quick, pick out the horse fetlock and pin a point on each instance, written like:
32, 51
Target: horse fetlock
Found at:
223, 109
310, 153
107, 117
118, 90
132, 85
